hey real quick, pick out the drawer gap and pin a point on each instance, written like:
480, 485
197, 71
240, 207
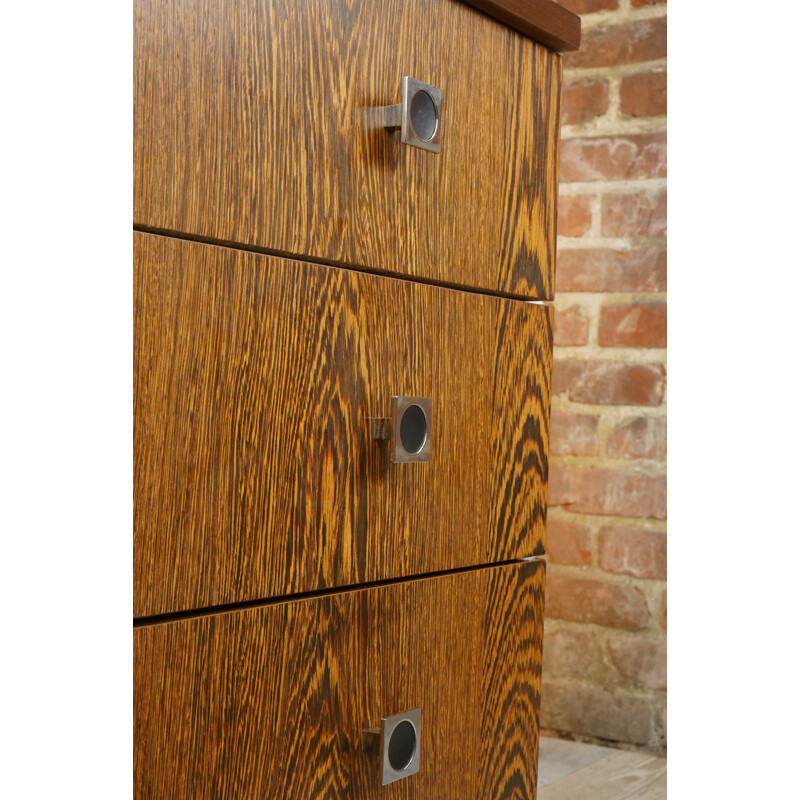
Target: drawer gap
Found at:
160, 619
266, 251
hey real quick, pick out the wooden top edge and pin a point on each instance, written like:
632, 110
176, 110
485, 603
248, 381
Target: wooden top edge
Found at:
543, 20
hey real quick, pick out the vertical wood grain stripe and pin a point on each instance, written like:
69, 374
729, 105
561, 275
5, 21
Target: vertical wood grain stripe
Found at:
512, 648
252, 127
255, 474
271, 702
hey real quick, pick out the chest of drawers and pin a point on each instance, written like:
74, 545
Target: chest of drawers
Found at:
312, 617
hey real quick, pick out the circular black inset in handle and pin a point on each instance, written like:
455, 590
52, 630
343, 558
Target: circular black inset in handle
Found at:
402, 745
413, 429
424, 119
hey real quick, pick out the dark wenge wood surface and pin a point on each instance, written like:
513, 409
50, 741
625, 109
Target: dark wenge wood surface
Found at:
253, 126
271, 701
255, 474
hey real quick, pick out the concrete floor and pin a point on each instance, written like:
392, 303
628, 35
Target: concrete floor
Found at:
575, 771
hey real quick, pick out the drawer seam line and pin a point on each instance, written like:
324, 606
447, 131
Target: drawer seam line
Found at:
266, 251
243, 605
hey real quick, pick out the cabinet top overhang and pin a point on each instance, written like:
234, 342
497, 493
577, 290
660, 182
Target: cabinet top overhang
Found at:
545, 21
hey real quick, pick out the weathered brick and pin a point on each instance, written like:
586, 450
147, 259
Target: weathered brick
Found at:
589, 6
568, 543
582, 101
657, 744
639, 437
578, 598
608, 158
573, 434
571, 327
614, 605
640, 553
641, 661
637, 214
609, 383
592, 711
574, 215
633, 325
566, 651
664, 611
643, 95
625, 43
594, 270
611, 492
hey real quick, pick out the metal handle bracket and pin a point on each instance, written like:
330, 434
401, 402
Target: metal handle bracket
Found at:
408, 429
398, 739
418, 115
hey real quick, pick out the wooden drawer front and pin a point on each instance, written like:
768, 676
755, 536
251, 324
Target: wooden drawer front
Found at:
271, 701
255, 473
251, 126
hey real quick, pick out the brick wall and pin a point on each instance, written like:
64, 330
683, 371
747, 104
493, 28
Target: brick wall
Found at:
605, 627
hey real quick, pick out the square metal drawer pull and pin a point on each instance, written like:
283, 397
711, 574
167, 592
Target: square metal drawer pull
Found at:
418, 115
398, 740
408, 429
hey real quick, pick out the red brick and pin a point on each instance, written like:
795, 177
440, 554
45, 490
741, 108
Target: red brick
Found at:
589, 6
664, 611
643, 95
574, 215
571, 327
592, 711
638, 214
573, 435
640, 553
640, 270
640, 3
567, 651
568, 543
582, 101
626, 43
609, 383
642, 662
620, 493
608, 158
633, 325
639, 437
614, 605
658, 221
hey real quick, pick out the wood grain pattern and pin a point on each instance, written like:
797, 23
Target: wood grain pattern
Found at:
543, 20
252, 126
255, 474
271, 701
